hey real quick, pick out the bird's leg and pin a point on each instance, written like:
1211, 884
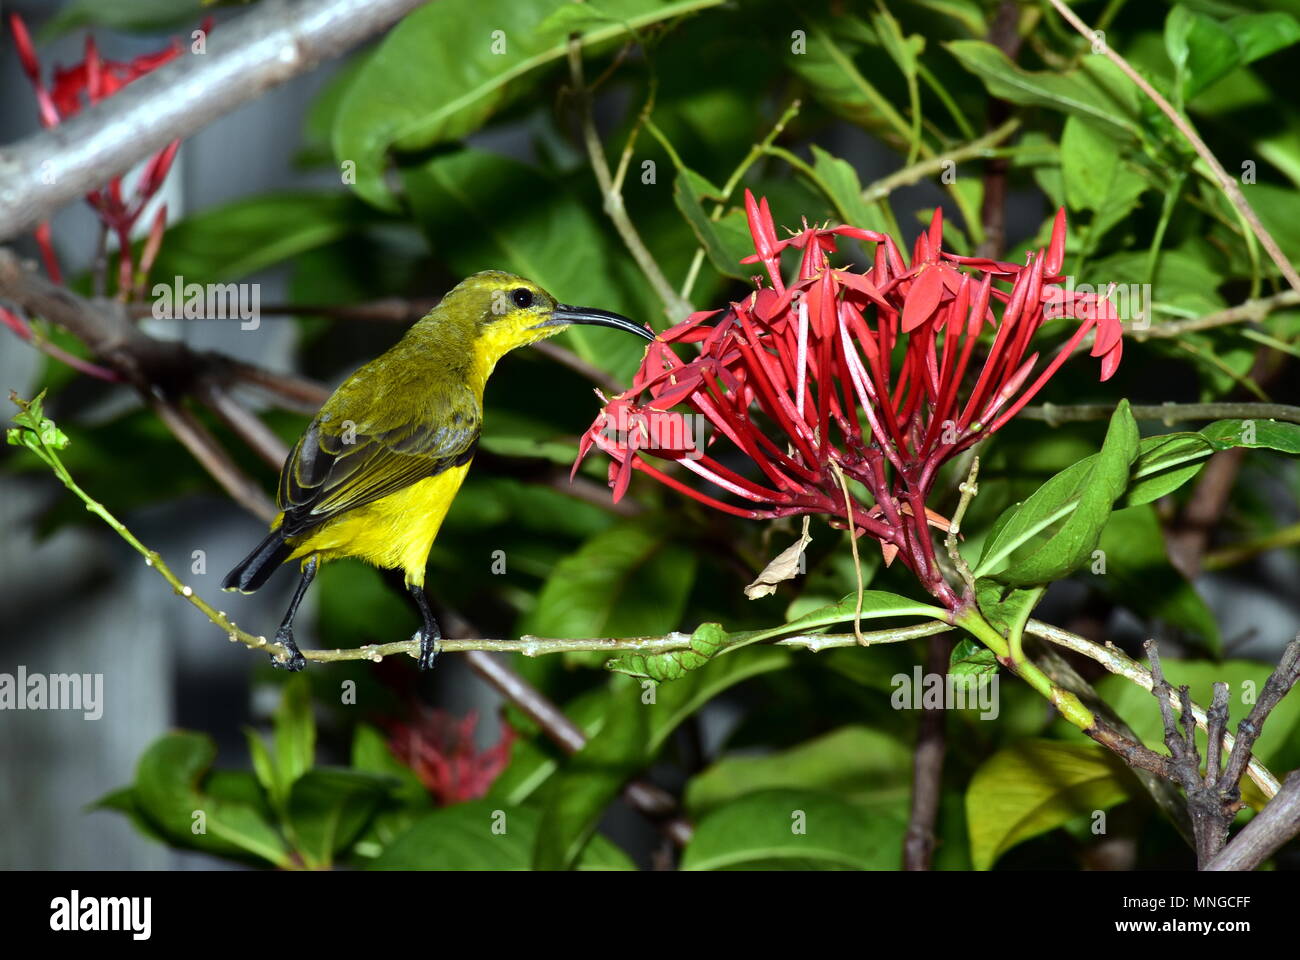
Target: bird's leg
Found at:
284, 635
428, 633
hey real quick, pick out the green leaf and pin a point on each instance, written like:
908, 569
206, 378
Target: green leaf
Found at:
449, 66
828, 67
1204, 50
1079, 499
1254, 434
867, 767
675, 702
147, 16
264, 767
972, 659
226, 243
467, 203
839, 181
1164, 464
1097, 178
1200, 49
707, 640
794, 829
1260, 34
294, 729
630, 580
169, 792
1006, 607
1097, 90
1035, 786
330, 806
876, 604
35, 429
482, 835
1089, 161
1138, 575
638, 720
725, 241
534, 761
593, 777
370, 753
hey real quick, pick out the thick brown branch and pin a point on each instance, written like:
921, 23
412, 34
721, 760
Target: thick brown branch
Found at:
250, 54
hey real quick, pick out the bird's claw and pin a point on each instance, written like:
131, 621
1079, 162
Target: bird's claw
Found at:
428, 648
295, 661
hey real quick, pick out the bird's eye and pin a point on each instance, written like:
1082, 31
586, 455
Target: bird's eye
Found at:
522, 297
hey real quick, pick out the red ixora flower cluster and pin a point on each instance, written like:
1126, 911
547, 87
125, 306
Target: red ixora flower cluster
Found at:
89, 82
860, 374
440, 748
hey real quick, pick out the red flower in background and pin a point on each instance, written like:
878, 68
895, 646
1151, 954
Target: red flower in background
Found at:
89, 82
441, 750
862, 374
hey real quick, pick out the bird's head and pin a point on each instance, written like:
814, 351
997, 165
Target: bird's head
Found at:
509, 311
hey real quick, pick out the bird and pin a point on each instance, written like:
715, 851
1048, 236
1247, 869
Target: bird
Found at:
375, 472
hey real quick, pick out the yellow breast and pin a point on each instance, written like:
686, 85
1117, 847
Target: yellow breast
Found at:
395, 532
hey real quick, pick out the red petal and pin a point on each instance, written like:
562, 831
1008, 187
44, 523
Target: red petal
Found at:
922, 299
1056, 248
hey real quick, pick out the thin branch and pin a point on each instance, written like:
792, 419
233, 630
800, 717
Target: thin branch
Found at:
968, 489
1166, 413
207, 450
250, 54
1230, 556
260, 438
1226, 182
1252, 311
675, 307
985, 146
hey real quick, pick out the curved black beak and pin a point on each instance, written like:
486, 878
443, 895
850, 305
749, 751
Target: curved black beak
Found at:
563, 315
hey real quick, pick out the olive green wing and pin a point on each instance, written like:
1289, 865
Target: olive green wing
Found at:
339, 464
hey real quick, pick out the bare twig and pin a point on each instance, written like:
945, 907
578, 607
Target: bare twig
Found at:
260, 438
1118, 662
968, 488
261, 49
984, 146
1272, 827
1213, 799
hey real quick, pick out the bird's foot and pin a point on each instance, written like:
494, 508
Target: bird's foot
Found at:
428, 647
295, 661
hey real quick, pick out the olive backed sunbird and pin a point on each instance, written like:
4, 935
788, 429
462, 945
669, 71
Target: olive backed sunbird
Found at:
375, 472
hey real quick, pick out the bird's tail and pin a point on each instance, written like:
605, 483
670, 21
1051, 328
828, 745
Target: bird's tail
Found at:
256, 568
